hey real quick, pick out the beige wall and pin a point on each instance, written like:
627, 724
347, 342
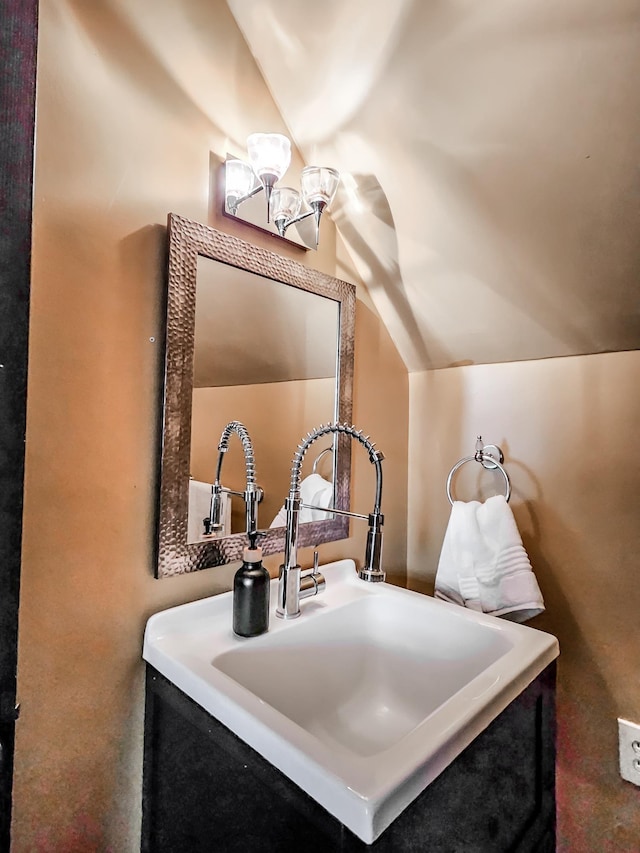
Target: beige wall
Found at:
569, 430
132, 99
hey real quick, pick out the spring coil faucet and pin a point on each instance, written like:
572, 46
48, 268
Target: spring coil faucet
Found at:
252, 494
292, 585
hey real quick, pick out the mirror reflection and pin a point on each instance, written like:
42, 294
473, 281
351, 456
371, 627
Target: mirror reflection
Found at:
260, 339
265, 354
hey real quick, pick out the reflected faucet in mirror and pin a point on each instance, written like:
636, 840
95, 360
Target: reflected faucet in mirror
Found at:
292, 584
252, 494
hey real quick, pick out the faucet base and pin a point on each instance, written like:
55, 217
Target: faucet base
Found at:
308, 585
282, 615
372, 575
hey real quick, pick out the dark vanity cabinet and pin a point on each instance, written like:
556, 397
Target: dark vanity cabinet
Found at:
206, 790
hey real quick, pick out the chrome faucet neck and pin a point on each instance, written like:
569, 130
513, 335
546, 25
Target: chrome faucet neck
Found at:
252, 494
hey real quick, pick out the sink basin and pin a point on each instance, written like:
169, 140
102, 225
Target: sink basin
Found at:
367, 673
364, 699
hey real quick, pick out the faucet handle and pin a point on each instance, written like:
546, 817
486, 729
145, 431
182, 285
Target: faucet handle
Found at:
315, 571
313, 582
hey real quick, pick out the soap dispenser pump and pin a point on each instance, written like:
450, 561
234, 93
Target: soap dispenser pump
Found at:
251, 593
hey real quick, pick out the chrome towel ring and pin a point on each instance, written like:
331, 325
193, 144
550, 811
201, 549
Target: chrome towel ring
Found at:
489, 456
319, 457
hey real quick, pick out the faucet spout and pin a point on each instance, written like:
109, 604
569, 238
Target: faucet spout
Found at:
291, 586
252, 494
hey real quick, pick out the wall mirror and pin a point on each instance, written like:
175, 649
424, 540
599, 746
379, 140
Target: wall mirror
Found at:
254, 337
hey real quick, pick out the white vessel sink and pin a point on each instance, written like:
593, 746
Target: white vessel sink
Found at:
364, 699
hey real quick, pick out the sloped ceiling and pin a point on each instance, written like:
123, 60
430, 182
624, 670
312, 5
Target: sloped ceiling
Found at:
489, 154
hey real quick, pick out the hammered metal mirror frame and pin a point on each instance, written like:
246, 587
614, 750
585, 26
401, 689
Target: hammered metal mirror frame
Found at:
187, 241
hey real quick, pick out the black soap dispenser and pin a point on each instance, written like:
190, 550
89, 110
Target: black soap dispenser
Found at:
251, 593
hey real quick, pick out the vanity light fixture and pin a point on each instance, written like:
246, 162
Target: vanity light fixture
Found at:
269, 158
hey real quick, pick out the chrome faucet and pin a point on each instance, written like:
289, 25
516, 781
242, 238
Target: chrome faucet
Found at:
293, 585
252, 494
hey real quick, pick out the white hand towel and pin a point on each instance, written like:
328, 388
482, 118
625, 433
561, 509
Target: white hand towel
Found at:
314, 490
199, 505
317, 491
483, 564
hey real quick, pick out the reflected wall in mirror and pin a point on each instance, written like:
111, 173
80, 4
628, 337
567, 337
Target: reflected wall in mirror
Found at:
265, 355
257, 338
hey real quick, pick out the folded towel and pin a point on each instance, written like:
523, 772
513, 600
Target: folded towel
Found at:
314, 490
483, 564
317, 491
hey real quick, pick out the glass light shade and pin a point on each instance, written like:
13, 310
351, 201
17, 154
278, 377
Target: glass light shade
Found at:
319, 184
239, 179
284, 203
269, 153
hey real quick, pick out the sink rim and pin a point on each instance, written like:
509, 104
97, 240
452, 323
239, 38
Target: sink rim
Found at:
365, 793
